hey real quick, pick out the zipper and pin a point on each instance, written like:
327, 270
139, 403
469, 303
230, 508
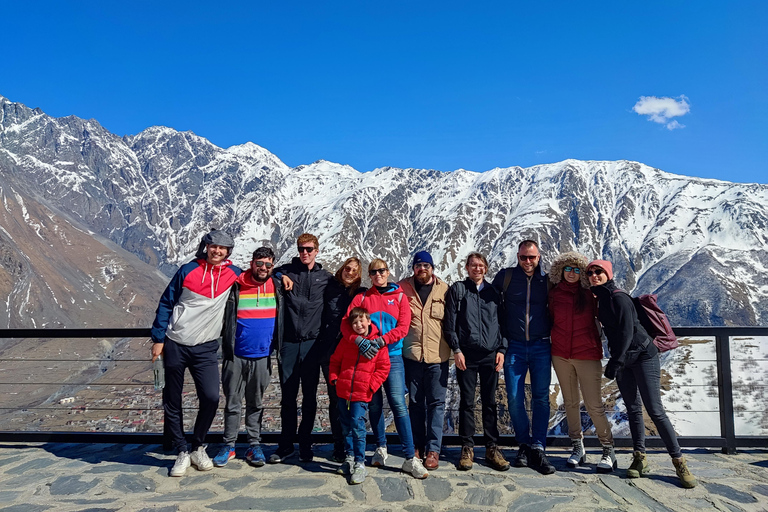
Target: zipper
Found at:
352, 385
528, 309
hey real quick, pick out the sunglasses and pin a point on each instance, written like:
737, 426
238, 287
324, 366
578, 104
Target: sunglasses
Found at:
527, 258
596, 272
260, 264
425, 266
380, 271
575, 270
306, 249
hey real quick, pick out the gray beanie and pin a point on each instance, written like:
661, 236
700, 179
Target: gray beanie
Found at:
215, 237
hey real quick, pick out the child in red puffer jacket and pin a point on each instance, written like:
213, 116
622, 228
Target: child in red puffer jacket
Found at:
356, 378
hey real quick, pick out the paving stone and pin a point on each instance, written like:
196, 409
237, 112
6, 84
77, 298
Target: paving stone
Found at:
537, 503
437, 489
510, 487
111, 467
761, 489
394, 489
99, 510
30, 480
8, 496
730, 493
698, 503
11, 460
37, 463
358, 493
90, 502
195, 477
237, 484
277, 504
418, 508
483, 497
187, 495
490, 479
297, 482
72, 484
172, 508
545, 482
23, 507
133, 484
632, 494
603, 493
732, 507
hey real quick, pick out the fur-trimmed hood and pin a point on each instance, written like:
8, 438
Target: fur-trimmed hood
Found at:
569, 259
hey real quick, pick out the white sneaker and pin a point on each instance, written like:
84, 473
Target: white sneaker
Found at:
380, 457
415, 468
181, 465
200, 459
608, 460
578, 455
358, 474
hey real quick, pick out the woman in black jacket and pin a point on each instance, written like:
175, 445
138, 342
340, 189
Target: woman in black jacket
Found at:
471, 326
338, 297
634, 363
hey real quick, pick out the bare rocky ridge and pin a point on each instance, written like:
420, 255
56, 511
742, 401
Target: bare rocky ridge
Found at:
700, 244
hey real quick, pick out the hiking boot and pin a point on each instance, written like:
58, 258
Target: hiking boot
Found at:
227, 452
379, 457
521, 460
687, 480
639, 466
358, 473
281, 454
538, 461
255, 456
415, 468
200, 459
495, 458
306, 454
432, 461
467, 455
607, 460
578, 455
347, 467
181, 465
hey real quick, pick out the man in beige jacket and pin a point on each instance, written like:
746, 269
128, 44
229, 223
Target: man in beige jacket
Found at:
425, 355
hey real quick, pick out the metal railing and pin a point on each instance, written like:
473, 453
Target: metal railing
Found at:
728, 440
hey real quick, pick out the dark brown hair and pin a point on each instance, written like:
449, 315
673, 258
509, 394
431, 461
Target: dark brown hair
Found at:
357, 313
359, 279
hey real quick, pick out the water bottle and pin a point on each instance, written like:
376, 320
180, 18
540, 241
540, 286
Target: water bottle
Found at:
159, 370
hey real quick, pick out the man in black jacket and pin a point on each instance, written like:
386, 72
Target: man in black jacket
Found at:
299, 354
472, 329
525, 325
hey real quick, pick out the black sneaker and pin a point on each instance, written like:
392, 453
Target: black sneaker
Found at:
521, 461
281, 454
339, 454
539, 462
306, 454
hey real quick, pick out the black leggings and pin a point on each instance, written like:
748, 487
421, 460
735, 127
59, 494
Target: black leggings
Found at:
641, 379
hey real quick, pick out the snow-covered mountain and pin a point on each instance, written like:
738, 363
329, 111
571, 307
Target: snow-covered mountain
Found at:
700, 244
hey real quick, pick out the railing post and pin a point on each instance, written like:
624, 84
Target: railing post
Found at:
725, 392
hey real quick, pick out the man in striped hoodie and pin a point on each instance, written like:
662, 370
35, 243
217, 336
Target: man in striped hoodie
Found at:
185, 333
250, 332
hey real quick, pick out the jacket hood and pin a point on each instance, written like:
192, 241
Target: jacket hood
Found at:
569, 259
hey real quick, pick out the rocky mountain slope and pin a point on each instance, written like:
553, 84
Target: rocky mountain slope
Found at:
700, 244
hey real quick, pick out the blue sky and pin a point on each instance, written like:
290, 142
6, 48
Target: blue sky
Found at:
441, 85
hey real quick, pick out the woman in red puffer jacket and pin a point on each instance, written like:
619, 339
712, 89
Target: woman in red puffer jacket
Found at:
576, 355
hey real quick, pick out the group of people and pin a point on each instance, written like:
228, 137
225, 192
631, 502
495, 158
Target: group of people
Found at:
397, 339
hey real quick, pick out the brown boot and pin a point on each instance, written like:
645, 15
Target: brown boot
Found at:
687, 480
495, 458
467, 455
432, 460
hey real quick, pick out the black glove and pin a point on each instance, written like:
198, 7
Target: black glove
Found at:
612, 369
366, 348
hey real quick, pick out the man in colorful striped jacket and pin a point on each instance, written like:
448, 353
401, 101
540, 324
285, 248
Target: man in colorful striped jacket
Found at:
251, 327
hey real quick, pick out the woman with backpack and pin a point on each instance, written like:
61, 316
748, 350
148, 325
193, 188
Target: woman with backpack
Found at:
576, 355
635, 365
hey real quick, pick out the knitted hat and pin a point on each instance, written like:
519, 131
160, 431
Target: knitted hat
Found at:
605, 265
569, 259
215, 237
422, 257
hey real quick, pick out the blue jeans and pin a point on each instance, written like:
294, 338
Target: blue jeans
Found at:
522, 356
395, 388
352, 419
427, 384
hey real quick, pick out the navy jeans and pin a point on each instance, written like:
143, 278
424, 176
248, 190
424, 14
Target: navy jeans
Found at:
640, 378
427, 384
534, 356
352, 419
395, 388
204, 368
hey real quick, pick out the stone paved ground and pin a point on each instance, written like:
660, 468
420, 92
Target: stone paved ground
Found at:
102, 477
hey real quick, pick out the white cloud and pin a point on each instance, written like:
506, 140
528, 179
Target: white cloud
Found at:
661, 110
